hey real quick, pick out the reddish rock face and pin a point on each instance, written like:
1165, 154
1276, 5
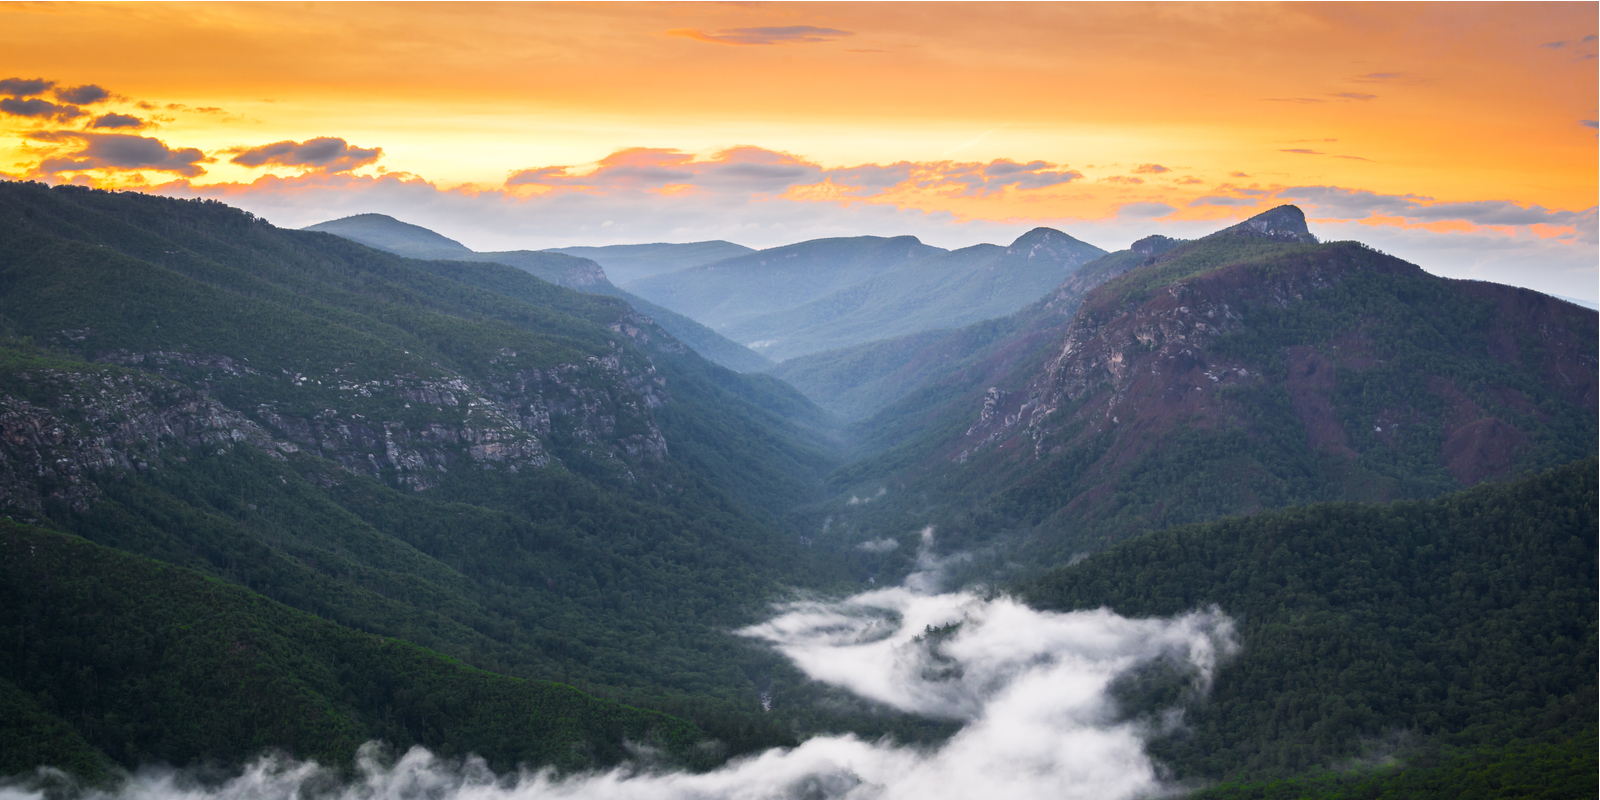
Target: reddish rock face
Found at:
1137, 365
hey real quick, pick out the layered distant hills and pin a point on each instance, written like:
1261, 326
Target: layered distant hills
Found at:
625, 263
571, 271
831, 293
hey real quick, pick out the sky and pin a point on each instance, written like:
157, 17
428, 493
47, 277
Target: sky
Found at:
1462, 137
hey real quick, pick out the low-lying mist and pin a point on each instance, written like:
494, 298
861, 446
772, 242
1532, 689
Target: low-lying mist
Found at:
1032, 690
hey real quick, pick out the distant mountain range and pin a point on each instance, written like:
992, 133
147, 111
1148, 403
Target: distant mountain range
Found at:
625, 263
830, 293
571, 271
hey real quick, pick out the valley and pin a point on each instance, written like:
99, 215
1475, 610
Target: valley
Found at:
294, 491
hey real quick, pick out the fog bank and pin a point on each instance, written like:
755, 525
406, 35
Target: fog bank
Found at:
1031, 687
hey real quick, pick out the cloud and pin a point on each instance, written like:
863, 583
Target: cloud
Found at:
85, 95
1238, 174
754, 170
1304, 152
117, 151
1353, 204
117, 121
789, 34
1355, 96
1145, 210
1030, 689
24, 87
1219, 200
1123, 179
40, 109
1150, 169
883, 545
1589, 123
324, 154
1376, 77
1295, 100
1558, 45
1228, 187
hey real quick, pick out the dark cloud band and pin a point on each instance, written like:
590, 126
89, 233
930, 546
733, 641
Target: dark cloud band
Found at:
324, 154
117, 151
24, 87
789, 34
37, 108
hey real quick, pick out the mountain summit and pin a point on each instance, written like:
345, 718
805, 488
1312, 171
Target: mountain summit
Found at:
1286, 223
387, 233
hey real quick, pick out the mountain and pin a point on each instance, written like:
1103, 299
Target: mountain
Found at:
535, 482
1248, 370
939, 291
630, 262
1465, 621
387, 233
740, 288
860, 380
401, 238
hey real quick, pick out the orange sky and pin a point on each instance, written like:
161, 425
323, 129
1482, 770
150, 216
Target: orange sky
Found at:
1461, 103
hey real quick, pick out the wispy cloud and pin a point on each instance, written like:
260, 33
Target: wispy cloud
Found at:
1150, 169
786, 34
1355, 204
755, 170
1220, 200
1567, 43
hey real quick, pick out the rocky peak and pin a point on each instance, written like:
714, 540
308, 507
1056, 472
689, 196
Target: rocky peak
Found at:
1284, 222
1151, 246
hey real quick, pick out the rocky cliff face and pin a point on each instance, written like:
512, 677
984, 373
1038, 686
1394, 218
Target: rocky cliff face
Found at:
1129, 377
58, 426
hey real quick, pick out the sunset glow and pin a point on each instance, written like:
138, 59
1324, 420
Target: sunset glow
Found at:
1459, 136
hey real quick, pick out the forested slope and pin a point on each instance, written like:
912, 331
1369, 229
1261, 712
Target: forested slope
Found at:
130, 659
535, 481
1468, 620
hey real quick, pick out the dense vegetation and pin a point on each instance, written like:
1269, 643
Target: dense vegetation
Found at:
1469, 619
155, 662
1557, 770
